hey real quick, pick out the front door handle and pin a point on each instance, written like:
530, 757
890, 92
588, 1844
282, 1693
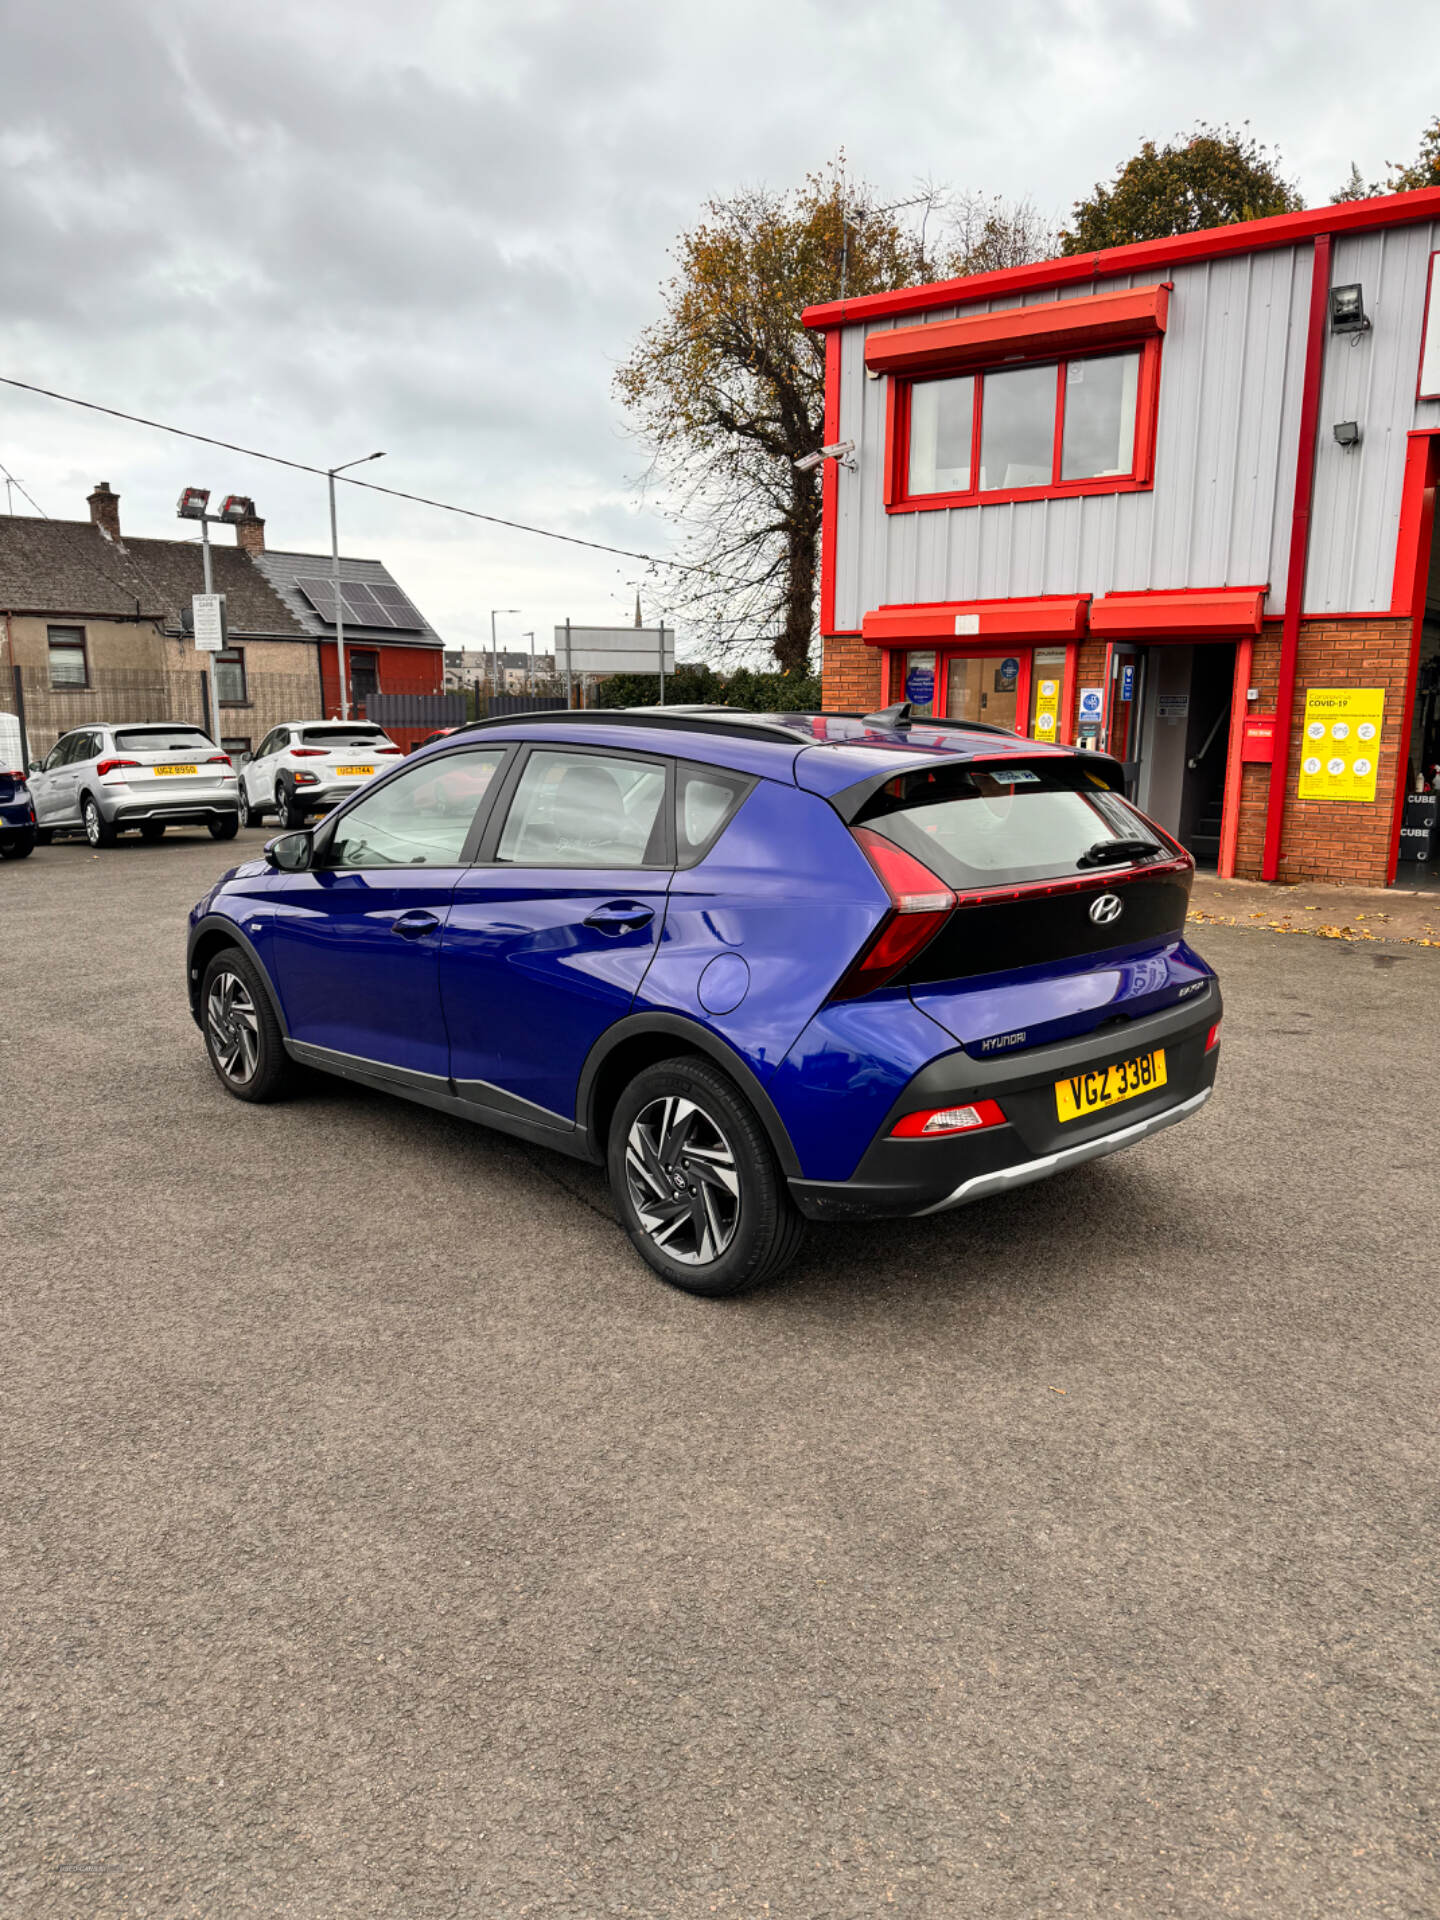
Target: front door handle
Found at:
620, 916
411, 925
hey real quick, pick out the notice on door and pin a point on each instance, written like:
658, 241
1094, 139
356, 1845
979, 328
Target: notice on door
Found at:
1047, 709
1340, 749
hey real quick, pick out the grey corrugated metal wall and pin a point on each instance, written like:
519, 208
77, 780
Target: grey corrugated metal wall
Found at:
1219, 512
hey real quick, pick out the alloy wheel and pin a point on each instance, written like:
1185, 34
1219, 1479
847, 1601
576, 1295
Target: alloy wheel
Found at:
92, 823
233, 1027
681, 1172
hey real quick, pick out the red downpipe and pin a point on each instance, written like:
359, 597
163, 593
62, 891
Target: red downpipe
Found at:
1299, 553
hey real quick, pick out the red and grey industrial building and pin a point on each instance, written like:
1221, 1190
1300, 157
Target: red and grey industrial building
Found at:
1175, 499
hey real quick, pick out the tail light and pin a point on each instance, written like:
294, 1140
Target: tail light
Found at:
935, 1122
110, 766
920, 904
1212, 1039
307, 753
389, 750
18, 778
217, 760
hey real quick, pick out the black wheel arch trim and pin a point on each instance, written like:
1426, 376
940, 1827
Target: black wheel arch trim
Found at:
699, 1040
236, 937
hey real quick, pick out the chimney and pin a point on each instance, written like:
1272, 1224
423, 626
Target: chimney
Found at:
105, 510
250, 532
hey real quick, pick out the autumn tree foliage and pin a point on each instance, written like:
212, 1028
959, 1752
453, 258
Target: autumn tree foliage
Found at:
1422, 171
727, 389
1209, 178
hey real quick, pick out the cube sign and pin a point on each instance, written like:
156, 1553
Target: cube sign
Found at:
208, 610
1429, 386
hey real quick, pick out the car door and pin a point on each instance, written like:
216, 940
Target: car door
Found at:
551, 932
260, 773
354, 941
251, 777
55, 787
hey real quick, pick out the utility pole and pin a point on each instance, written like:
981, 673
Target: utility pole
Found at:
530, 682
495, 649
335, 578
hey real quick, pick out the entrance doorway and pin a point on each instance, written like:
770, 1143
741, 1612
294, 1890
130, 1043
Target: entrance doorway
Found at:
1168, 723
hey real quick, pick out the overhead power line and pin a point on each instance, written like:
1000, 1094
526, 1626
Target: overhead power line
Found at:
369, 486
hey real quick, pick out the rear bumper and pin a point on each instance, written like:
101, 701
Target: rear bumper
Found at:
903, 1178
196, 812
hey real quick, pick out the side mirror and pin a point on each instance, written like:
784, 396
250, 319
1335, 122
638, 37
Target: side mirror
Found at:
290, 853
245, 758
37, 766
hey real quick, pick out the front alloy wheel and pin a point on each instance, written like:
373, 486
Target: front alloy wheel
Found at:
242, 1035
681, 1172
232, 1027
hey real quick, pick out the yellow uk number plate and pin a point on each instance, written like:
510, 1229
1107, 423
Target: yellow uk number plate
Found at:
176, 770
354, 769
1083, 1093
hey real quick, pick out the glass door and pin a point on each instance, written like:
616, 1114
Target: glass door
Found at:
1125, 708
993, 688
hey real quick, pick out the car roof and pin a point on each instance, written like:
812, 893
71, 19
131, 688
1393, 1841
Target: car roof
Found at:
824, 752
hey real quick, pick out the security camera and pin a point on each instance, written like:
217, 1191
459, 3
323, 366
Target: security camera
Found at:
838, 450
809, 462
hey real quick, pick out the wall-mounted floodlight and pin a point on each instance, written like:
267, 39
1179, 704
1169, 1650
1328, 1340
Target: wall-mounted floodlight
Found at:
1347, 432
840, 450
1347, 309
193, 502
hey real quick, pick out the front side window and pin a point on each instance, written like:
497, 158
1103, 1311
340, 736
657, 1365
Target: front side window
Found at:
1072, 423
421, 818
230, 677
67, 657
585, 810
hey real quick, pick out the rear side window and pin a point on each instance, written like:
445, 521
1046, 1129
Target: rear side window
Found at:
585, 810
162, 740
706, 799
1004, 825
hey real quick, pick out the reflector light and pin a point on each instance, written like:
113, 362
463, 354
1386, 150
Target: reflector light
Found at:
109, 766
307, 780
933, 1121
1212, 1039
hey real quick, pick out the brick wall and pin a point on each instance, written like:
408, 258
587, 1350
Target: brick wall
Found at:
850, 674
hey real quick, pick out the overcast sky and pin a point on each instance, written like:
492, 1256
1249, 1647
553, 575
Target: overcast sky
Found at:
436, 229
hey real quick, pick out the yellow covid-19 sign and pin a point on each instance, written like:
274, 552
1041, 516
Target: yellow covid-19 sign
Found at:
1340, 748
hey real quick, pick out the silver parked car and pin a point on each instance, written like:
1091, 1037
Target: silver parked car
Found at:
307, 766
107, 780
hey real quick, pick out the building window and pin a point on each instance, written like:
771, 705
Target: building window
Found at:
68, 667
364, 673
235, 744
230, 677
1084, 424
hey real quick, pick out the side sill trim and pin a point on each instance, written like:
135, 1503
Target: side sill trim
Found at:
1005, 1179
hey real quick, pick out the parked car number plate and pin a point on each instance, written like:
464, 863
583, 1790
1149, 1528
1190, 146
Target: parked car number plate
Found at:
1082, 1093
354, 769
158, 770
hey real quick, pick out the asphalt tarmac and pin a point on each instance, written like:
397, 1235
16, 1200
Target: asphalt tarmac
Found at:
379, 1538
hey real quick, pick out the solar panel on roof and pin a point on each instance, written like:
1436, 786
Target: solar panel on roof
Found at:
402, 612
321, 595
366, 609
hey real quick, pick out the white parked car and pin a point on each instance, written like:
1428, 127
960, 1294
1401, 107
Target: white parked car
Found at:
306, 766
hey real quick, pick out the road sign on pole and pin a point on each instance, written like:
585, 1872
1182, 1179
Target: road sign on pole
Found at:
209, 614
618, 649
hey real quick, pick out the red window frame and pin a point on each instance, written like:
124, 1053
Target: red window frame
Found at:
897, 432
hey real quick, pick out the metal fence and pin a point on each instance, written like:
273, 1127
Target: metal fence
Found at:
144, 693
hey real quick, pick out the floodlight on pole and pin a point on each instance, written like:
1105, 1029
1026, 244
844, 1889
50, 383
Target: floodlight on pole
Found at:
330, 473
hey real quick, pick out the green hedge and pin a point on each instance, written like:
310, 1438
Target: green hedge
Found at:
703, 686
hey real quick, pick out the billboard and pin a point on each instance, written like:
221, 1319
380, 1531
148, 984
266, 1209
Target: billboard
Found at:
613, 649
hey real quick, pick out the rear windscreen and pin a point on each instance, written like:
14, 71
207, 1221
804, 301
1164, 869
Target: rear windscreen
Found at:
336, 737
163, 740
1003, 825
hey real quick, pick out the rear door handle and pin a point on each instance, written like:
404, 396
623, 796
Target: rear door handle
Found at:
411, 925
620, 916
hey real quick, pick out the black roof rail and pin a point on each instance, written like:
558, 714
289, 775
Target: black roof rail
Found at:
720, 720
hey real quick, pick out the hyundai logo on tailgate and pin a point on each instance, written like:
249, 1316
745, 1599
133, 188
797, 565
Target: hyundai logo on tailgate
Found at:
1108, 907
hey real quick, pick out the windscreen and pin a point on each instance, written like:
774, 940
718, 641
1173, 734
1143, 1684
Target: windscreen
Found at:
977, 827
333, 738
187, 740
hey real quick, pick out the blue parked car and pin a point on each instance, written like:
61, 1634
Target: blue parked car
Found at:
765, 968
17, 814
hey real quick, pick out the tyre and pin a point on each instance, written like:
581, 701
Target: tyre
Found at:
696, 1183
242, 1035
44, 836
19, 846
250, 816
151, 831
226, 827
289, 814
99, 831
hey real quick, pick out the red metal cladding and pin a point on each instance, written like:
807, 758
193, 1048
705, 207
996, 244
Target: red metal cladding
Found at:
1091, 320
1058, 616
1202, 612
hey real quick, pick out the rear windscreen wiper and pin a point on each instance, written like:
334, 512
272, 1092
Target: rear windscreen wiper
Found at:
1110, 853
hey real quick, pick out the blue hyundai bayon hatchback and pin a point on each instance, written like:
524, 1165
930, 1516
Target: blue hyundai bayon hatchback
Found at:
764, 968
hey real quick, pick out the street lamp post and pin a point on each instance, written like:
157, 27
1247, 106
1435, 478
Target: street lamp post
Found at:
495, 649
530, 681
330, 474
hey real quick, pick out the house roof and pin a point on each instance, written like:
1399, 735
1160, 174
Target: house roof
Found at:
1244, 236
283, 572
70, 567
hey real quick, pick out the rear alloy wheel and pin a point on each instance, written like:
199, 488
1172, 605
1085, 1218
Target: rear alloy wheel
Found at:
249, 816
242, 1035
226, 827
99, 831
152, 830
289, 815
696, 1182
44, 836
